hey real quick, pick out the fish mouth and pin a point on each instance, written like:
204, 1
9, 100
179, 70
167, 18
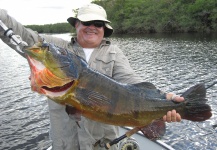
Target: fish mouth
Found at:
58, 90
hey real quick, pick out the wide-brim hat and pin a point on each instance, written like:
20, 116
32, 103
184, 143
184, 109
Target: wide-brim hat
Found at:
92, 12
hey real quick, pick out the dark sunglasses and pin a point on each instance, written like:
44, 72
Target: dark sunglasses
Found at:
96, 23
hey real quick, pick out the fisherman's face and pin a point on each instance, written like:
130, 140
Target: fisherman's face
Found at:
89, 35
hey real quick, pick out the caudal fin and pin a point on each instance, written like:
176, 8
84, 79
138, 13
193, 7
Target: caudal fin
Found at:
196, 107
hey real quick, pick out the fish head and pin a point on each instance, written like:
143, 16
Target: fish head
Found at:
54, 70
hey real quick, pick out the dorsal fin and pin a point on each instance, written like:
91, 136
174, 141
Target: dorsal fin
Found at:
150, 90
145, 85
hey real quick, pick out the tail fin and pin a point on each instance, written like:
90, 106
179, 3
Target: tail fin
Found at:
196, 107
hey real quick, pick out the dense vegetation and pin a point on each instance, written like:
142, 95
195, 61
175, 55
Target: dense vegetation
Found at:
150, 16
136, 16
52, 28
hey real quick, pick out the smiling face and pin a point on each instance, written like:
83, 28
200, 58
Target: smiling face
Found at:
89, 36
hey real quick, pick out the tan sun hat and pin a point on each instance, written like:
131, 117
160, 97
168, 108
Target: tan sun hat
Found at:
92, 12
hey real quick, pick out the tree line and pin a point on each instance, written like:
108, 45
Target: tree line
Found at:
52, 28
151, 16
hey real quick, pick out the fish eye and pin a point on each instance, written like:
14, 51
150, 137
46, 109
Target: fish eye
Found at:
45, 46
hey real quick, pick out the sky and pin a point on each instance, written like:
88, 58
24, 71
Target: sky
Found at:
40, 12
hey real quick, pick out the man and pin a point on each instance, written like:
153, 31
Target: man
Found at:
91, 26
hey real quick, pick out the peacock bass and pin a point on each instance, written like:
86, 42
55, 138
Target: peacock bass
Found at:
67, 79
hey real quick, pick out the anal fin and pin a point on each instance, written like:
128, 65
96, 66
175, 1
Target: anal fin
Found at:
155, 130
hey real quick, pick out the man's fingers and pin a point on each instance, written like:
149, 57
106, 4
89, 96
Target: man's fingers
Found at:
172, 116
178, 117
168, 116
174, 97
178, 99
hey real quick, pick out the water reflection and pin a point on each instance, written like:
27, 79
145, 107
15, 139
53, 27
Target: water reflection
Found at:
172, 62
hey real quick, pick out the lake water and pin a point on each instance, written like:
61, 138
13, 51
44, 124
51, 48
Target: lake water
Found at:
172, 62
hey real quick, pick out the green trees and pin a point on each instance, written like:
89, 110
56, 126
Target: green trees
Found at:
150, 16
52, 28
145, 16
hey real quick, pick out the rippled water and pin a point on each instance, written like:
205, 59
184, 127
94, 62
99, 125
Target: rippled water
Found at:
24, 120
173, 63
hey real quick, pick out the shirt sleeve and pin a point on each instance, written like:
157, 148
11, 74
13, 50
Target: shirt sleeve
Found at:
29, 36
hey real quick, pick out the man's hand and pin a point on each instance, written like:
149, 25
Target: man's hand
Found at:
173, 116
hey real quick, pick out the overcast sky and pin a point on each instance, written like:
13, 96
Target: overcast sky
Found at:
30, 12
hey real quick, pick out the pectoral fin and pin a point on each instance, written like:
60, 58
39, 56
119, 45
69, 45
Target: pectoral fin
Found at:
92, 98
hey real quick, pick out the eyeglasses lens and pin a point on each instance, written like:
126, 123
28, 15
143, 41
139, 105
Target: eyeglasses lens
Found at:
98, 24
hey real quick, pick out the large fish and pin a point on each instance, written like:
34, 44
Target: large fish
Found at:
67, 79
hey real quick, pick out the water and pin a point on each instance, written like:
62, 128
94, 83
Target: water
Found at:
173, 63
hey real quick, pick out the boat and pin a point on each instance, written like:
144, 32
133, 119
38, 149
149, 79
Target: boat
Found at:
139, 142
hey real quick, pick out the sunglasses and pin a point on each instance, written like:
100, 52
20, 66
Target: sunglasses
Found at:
96, 23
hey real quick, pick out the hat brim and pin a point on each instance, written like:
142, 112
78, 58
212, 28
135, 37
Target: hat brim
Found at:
72, 21
108, 29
